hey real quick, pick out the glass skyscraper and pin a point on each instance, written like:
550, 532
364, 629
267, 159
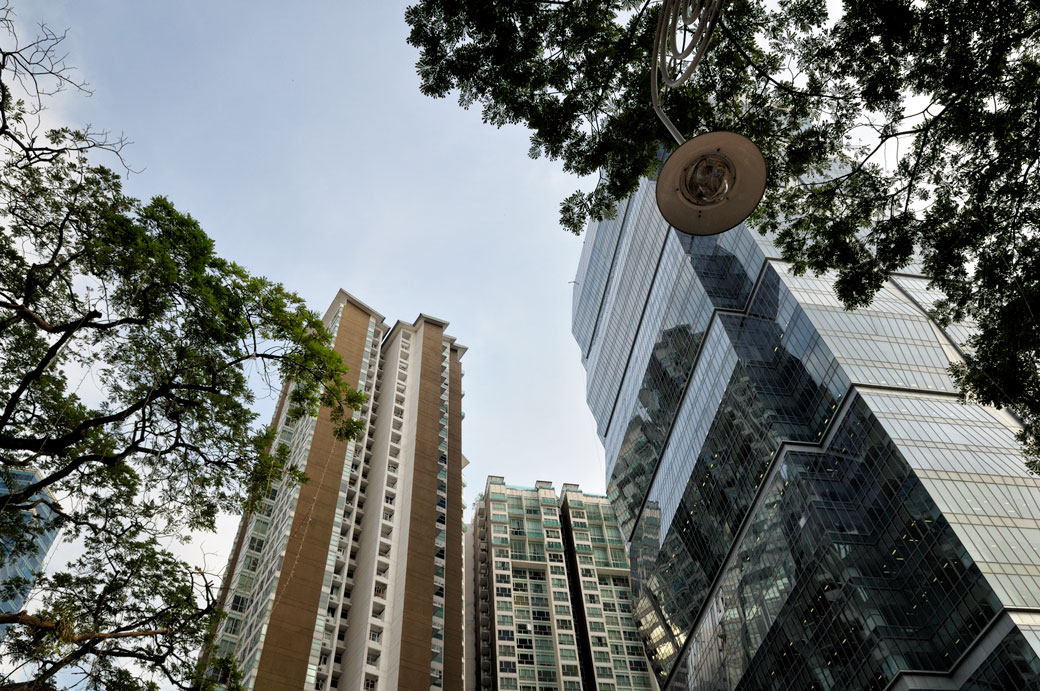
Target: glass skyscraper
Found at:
19, 564
807, 504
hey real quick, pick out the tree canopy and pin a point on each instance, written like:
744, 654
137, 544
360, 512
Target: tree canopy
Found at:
129, 356
895, 131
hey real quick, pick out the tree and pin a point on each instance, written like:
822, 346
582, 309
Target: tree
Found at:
898, 126
126, 301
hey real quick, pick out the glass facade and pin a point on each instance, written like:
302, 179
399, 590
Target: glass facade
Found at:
806, 503
21, 562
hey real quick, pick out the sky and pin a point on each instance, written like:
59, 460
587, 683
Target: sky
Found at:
297, 136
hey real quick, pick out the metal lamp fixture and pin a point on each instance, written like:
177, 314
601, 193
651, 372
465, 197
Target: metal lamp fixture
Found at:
714, 181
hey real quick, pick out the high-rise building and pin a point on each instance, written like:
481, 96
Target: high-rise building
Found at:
353, 580
551, 597
28, 560
807, 503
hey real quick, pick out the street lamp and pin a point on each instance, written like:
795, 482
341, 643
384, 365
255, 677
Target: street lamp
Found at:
714, 181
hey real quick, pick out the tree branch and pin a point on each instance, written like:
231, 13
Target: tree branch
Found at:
34, 375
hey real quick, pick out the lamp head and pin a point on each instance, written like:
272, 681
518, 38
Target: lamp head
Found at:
711, 183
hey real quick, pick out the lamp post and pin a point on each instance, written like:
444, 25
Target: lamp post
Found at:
714, 181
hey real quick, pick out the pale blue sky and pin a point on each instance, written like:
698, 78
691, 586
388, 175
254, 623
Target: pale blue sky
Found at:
297, 135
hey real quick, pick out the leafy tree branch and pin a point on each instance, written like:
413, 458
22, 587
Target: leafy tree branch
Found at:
893, 132
130, 357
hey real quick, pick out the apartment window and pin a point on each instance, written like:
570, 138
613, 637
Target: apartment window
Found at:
238, 603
